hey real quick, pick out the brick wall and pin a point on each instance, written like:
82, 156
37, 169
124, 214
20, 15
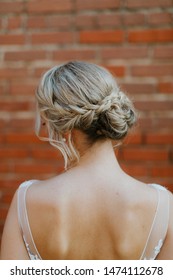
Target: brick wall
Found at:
132, 38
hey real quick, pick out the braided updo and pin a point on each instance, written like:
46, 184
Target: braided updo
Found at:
83, 96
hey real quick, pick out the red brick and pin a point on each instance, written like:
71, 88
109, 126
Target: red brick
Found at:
35, 168
51, 6
1, 229
25, 55
14, 22
11, 7
97, 4
133, 19
2, 89
155, 123
159, 138
152, 70
39, 71
52, 38
151, 36
83, 21
162, 171
135, 170
22, 138
9, 184
77, 54
46, 154
23, 88
37, 22
160, 18
4, 192
166, 87
7, 105
12, 153
124, 52
7, 198
154, 105
5, 167
12, 39
146, 123
139, 88
134, 138
133, 4
62, 22
109, 20
164, 122
163, 52
116, 70
145, 154
2, 139
13, 73
4, 121
3, 212
171, 156
102, 37
22, 122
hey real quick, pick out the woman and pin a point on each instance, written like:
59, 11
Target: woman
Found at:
93, 210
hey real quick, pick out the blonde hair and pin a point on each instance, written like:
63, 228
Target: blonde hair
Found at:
83, 96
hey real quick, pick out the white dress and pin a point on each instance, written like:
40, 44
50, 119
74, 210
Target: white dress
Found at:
154, 241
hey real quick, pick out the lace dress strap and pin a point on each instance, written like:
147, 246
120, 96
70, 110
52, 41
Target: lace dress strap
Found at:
159, 226
24, 223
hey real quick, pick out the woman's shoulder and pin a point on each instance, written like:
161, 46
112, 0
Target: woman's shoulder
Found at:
37, 189
42, 211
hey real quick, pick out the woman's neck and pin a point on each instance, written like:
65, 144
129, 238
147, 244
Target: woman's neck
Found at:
100, 157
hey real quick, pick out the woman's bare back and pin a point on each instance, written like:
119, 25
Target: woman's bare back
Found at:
87, 219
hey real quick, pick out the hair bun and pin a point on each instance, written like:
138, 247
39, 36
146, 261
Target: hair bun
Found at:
116, 116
